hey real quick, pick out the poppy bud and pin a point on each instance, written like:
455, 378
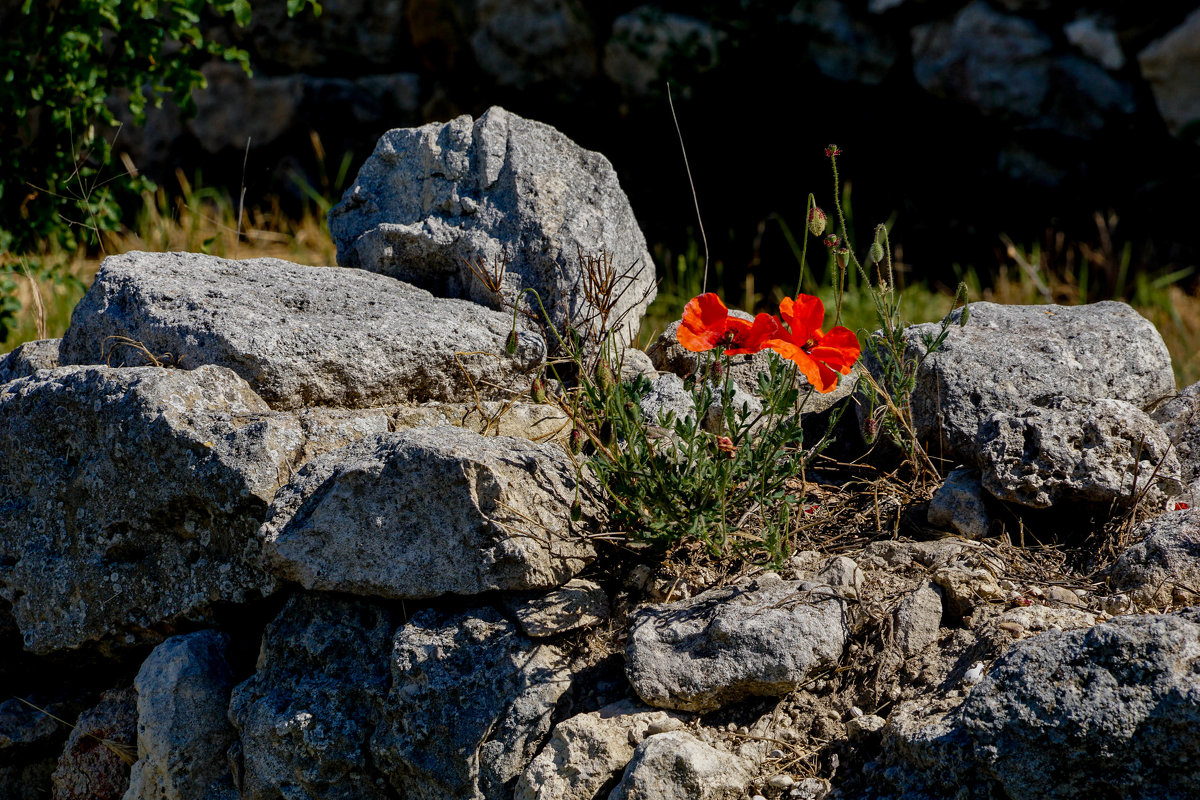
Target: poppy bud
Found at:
607, 434
510, 346
718, 369
964, 316
576, 511
630, 408
816, 221
876, 252
575, 441
833, 151
605, 378
831, 240
538, 390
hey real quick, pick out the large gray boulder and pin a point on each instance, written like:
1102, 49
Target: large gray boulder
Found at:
1164, 565
1006, 358
301, 336
1171, 65
507, 197
428, 512
131, 498
306, 716
470, 705
727, 644
1102, 451
183, 732
1067, 715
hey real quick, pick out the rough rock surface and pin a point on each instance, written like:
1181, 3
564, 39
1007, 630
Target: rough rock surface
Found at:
521, 44
306, 716
677, 766
1006, 358
667, 397
961, 59
576, 604
1179, 417
588, 751
1069, 715
1103, 451
30, 743
1171, 65
301, 336
507, 196
183, 733
958, 505
428, 512
131, 498
723, 645
1164, 566
647, 41
668, 356
536, 421
919, 619
469, 706
94, 765
28, 358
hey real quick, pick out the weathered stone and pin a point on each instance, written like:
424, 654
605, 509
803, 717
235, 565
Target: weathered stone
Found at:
964, 590
667, 399
1179, 418
183, 690
1102, 451
587, 751
1007, 67
28, 358
841, 572
1171, 65
221, 122
759, 639
958, 505
668, 356
504, 198
536, 421
678, 766
635, 362
863, 728
524, 43
131, 498
919, 619
1068, 715
306, 716
576, 604
1007, 358
301, 336
30, 743
427, 512
1164, 566
95, 763
1096, 41
648, 44
469, 706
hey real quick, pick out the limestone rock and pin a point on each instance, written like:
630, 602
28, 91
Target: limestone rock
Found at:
677, 766
1103, 451
667, 398
919, 619
306, 716
1096, 41
842, 46
1068, 715
958, 505
647, 42
726, 644
131, 498
469, 706
576, 604
30, 744
301, 336
1164, 566
95, 763
1171, 65
587, 751
183, 691
536, 421
1006, 358
1179, 418
506, 197
28, 358
427, 512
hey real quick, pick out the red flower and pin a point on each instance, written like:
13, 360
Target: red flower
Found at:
1181, 507
817, 354
707, 324
833, 151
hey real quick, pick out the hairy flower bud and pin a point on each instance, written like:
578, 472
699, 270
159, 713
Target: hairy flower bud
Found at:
510, 345
833, 151
831, 240
575, 440
816, 221
538, 390
876, 252
718, 369
605, 378
576, 511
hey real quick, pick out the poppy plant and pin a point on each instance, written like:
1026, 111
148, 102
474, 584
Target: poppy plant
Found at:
817, 354
707, 324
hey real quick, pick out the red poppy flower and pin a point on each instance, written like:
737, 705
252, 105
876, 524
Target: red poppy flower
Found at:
706, 324
817, 354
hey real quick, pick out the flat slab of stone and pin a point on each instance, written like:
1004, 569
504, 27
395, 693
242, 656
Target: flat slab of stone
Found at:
131, 498
578, 603
1006, 358
502, 196
427, 512
731, 643
301, 336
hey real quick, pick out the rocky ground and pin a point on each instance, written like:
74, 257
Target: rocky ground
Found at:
270, 531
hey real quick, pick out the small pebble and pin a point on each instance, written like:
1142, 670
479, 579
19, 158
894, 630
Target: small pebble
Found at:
1014, 629
780, 781
744, 731
758, 797
731, 727
974, 675
776, 754
855, 711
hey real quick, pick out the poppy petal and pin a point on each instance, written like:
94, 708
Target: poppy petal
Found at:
839, 349
808, 313
703, 323
752, 337
808, 368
